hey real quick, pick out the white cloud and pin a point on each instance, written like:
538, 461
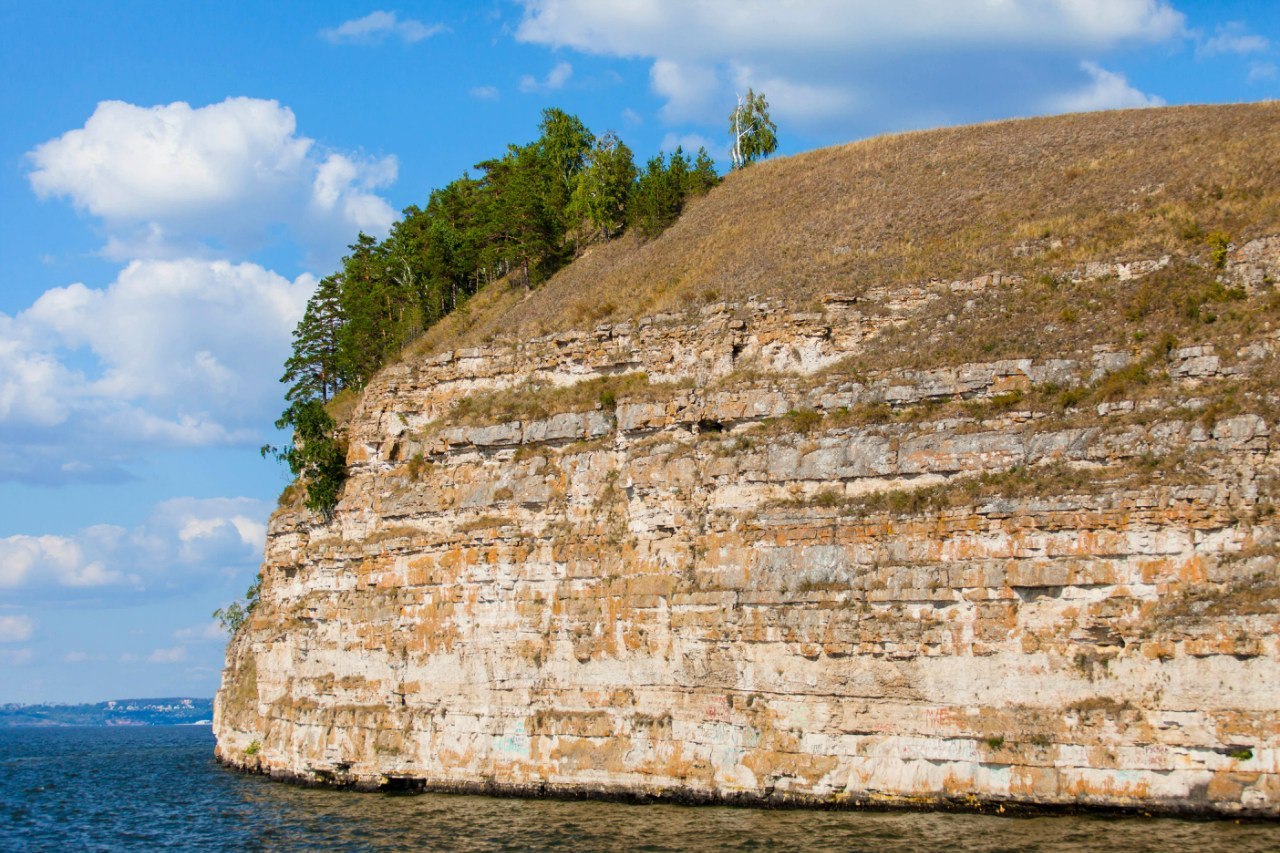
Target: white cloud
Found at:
688, 88
1106, 90
1234, 38
1260, 71
375, 27
174, 180
863, 64
726, 29
484, 93
803, 102
555, 79
171, 353
30, 560
182, 540
15, 657
177, 654
16, 629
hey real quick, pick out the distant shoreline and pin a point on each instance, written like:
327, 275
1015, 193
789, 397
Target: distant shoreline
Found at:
113, 713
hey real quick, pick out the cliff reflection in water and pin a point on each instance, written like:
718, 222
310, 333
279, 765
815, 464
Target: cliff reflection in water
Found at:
145, 788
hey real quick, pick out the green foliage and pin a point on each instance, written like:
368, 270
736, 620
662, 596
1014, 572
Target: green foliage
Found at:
600, 196
1218, 242
317, 456
752, 131
313, 369
995, 742
659, 194
253, 748
1241, 754
562, 150
234, 614
804, 420
513, 219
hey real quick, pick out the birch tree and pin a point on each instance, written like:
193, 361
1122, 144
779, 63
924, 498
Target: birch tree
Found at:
752, 133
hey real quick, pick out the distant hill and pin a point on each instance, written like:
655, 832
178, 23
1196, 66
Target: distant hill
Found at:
167, 711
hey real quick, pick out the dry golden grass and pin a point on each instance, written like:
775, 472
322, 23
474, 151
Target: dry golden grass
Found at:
1056, 478
1019, 196
534, 402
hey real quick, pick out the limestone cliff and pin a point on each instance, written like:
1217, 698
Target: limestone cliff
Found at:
740, 553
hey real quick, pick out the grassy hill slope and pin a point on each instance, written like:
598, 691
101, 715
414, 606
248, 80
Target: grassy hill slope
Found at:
1026, 196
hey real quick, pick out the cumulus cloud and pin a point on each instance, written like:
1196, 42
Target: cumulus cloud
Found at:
171, 353
183, 540
176, 180
16, 629
484, 93
57, 559
376, 27
1106, 90
555, 79
822, 62
688, 87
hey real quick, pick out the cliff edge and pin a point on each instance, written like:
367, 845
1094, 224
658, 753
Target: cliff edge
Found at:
852, 533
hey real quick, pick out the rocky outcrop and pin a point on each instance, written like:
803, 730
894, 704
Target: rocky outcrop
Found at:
702, 557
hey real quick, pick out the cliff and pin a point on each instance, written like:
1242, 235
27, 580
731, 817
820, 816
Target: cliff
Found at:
997, 539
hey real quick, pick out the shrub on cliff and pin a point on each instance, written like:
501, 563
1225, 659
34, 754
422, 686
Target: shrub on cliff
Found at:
317, 456
234, 614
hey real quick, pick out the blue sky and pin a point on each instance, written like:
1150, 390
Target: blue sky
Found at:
174, 178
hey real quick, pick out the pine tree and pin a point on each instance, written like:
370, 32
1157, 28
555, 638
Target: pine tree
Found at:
703, 176
371, 307
658, 195
523, 228
313, 369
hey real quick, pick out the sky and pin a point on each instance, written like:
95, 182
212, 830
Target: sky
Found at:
175, 178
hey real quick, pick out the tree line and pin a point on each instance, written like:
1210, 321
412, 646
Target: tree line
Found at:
521, 217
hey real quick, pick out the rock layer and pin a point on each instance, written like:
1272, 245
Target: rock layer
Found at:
692, 557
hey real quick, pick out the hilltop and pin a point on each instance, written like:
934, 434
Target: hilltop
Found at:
1027, 196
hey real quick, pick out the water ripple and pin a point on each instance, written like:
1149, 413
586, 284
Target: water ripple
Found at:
147, 788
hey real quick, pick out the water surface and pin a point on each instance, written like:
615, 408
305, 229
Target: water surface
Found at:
147, 788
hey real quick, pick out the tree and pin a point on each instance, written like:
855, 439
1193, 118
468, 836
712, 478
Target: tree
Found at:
600, 196
753, 133
523, 227
236, 613
654, 202
313, 369
360, 286
317, 457
564, 145
703, 175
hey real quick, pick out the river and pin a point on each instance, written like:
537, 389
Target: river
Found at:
148, 788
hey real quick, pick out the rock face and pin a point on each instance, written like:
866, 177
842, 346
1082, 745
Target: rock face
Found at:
697, 557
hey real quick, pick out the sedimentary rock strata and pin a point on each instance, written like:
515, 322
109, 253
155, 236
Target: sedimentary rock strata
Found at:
696, 556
